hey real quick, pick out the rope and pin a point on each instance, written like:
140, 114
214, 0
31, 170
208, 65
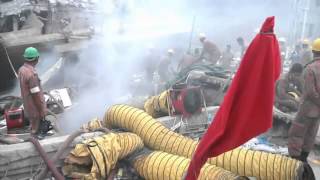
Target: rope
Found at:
10, 62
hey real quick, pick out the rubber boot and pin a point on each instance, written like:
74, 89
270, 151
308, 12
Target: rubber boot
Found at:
296, 136
308, 173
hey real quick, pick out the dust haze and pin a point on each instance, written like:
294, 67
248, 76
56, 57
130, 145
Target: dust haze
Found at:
105, 70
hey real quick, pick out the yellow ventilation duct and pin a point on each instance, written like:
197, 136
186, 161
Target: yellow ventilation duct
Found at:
160, 165
240, 161
101, 153
156, 106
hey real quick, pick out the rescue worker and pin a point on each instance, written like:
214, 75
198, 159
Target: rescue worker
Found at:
296, 55
283, 51
306, 54
186, 61
31, 92
242, 45
164, 68
227, 57
210, 51
289, 89
304, 128
282, 43
149, 64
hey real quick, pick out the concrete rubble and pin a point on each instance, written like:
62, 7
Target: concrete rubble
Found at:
14, 7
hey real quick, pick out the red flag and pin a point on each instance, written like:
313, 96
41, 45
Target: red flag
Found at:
246, 110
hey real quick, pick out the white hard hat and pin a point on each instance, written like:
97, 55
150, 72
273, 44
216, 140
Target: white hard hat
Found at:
282, 39
202, 35
170, 51
305, 41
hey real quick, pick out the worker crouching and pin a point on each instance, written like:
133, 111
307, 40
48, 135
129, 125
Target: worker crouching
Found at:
210, 51
289, 89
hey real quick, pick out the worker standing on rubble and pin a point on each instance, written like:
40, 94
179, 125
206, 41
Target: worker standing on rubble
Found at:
283, 50
306, 54
304, 128
164, 69
289, 89
31, 91
186, 61
149, 64
210, 51
282, 43
295, 56
227, 57
242, 45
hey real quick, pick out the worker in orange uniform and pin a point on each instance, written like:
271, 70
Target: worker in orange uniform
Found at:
306, 54
165, 70
227, 57
304, 128
210, 51
31, 92
289, 89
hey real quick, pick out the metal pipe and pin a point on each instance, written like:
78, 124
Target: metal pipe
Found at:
305, 19
46, 159
191, 33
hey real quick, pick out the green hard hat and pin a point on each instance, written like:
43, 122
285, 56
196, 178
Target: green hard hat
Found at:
30, 54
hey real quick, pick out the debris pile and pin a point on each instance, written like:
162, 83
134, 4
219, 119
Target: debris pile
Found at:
14, 7
85, 4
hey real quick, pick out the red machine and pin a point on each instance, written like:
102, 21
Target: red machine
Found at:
14, 118
186, 100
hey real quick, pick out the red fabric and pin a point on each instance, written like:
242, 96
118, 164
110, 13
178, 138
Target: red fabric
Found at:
247, 107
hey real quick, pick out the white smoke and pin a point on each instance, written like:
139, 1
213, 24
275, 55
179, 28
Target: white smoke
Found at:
124, 31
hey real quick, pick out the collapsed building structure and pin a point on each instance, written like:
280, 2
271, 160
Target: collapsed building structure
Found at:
54, 27
62, 27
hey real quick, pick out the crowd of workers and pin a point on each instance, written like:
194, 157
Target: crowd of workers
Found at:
296, 91
172, 63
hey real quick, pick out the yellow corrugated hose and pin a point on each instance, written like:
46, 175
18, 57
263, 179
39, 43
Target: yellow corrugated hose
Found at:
241, 161
160, 165
263, 165
101, 153
155, 106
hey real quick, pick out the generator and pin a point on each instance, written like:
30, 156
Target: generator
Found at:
185, 100
14, 118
